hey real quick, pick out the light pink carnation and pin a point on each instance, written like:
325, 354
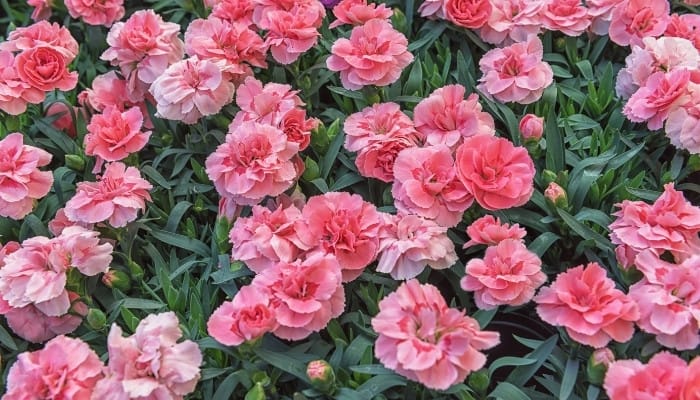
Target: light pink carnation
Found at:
264, 10
661, 379
266, 237
498, 174
21, 181
509, 274
426, 184
357, 12
375, 123
633, 20
375, 54
686, 26
256, 161
266, 104
104, 12
31, 324
113, 135
42, 9
691, 387
41, 34
65, 368
240, 11
569, 17
110, 90
423, 339
600, 12
344, 226
377, 159
290, 33
14, 92
305, 295
61, 222
150, 364
410, 242
683, 125
515, 73
432, 9
586, 303
445, 117
85, 251
489, 231
298, 128
247, 317
658, 97
117, 197
512, 21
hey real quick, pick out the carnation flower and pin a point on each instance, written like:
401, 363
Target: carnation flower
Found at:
498, 174
488, 230
113, 135
298, 128
111, 90
531, 128
661, 379
46, 69
423, 339
410, 242
432, 9
42, 9
471, 14
42, 34
569, 17
240, 11
290, 33
633, 20
117, 197
21, 181
357, 12
375, 54
14, 92
266, 104
378, 158
32, 325
511, 21
104, 12
683, 125
375, 123
600, 12
65, 114
691, 387
247, 317
586, 303
508, 274
686, 26
661, 93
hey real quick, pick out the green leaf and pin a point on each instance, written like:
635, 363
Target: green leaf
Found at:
156, 176
287, 363
346, 180
415, 78
434, 29
555, 144
569, 379
176, 215
329, 158
6, 339
379, 384
347, 93
142, 304
585, 232
508, 391
373, 369
510, 362
520, 375
227, 386
543, 242
183, 242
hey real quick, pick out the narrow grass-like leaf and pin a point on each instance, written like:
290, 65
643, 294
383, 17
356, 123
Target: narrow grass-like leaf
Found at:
508, 391
569, 379
181, 241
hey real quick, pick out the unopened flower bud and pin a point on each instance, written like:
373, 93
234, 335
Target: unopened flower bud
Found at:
135, 269
321, 375
557, 195
598, 365
531, 128
116, 279
479, 380
96, 319
75, 162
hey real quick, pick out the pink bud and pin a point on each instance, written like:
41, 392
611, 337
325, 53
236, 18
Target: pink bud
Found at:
65, 121
531, 127
321, 375
556, 194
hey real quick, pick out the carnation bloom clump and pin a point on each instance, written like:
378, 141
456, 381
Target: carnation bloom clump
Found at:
96, 12
357, 12
490, 231
247, 317
661, 378
423, 339
113, 135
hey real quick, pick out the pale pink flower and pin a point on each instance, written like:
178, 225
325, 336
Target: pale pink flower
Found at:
14, 92
531, 127
42, 9
633, 20
658, 97
377, 159
21, 181
512, 21
247, 317
290, 33
6, 249
600, 12
265, 104
375, 54
471, 14
410, 242
113, 135
691, 387
569, 17
110, 90
256, 161
31, 324
426, 184
143, 47
515, 73
344, 226
661, 379
683, 125
87, 253
190, 89
42, 33
46, 69
61, 222
305, 295
445, 117
490, 231
357, 12
264, 10
297, 127
692, 2
423, 339
240, 11
65, 368
686, 26
498, 174
104, 12
117, 197
150, 364
508, 274
233, 46
266, 237
586, 303
375, 123
432, 9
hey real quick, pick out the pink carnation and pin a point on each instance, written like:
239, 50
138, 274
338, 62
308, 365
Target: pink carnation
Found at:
266, 104
378, 158
298, 128
256, 161
264, 10
600, 12
110, 90
586, 303
41, 34
375, 123
190, 89
240, 11
245, 318
512, 21
65, 121
498, 174
423, 339
661, 379
305, 295
42, 9
432, 9
85, 251
566, 16
375, 54
426, 184
489, 231
357, 12
531, 128
471, 14
14, 92
509, 274
290, 33
658, 97
515, 73
65, 368
113, 135
61, 222
117, 197
342, 225
683, 125
633, 20
21, 181
150, 363
445, 117
266, 237
32, 325
104, 12
410, 242
46, 69
686, 26
691, 387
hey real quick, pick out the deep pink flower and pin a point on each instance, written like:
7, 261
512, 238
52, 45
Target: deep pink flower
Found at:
686, 26
423, 339
305, 295
661, 93
298, 128
357, 12
375, 54
265, 104
691, 387
290, 33
42, 9
471, 14
46, 69
42, 34
498, 174
586, 303
247, 317
600, 12
445, 117
489, 231
110, 90
240, 11
660, 379
14, 92
104, 12
512, 21
375, 123
113, 135
21, 181
426, 184
531, 127
569, 17
377, 159
633, 20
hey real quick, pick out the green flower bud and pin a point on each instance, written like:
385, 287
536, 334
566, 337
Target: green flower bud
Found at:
556, 195
75, 162
311, 170
479, 380
321, 375
96, 319
135, 269
598, 365
116, 279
